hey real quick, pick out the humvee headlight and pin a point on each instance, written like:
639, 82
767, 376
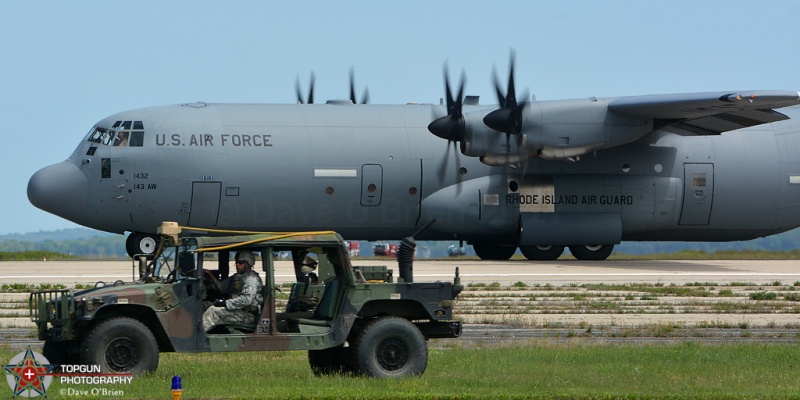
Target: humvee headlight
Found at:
93, 303
79, 303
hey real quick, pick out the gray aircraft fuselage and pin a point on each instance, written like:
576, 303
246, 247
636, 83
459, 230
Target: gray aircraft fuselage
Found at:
375, 172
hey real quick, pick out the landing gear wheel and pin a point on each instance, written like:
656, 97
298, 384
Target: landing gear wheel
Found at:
141, 243
391, 347
542, 253
592, 252
121, 345
493, 251
336, 360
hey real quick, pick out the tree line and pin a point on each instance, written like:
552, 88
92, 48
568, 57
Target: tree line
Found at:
87, 243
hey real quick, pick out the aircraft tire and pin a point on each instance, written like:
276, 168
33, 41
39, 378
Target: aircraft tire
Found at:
493, 251
391, 347
592, 252
141, 243
121, 345
542, 253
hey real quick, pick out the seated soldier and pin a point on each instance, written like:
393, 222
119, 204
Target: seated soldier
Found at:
243, 290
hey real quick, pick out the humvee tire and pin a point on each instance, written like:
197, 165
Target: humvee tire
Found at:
391, 347
121, 345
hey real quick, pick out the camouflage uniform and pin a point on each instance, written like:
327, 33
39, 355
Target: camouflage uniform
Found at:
242, 307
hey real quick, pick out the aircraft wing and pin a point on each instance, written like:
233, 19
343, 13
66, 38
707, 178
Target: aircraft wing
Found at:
708, 113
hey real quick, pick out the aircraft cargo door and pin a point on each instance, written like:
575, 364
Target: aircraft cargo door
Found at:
698, 193
371, 184
205, 204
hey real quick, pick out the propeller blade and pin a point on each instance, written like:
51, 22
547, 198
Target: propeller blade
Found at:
511, 96
507, 118
442, 170
365, 98
451, 127
352, 86
501, 98
299, 92
353, 99
458, 168
311, 89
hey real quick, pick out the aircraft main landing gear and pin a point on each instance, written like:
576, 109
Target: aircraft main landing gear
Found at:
494, 251
597, 252
541, 253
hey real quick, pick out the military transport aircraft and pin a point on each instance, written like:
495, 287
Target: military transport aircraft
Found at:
534, 175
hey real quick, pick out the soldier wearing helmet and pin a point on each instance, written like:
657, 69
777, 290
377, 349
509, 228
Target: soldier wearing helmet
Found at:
243, 292
309, 265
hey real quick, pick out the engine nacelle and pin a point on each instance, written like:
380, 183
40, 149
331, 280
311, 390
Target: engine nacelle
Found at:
553, 130
493, 147
562, 129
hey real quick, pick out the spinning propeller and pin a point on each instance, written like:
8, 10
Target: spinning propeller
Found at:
310, 98
451, 127
508, 118
365, 97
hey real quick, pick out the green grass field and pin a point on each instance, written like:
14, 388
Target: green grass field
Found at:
541, 370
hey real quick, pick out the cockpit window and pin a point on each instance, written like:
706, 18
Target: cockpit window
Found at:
121, 134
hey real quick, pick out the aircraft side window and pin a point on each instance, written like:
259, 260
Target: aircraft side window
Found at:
105, 168
108, 136
122, 139
121, 134
96, 136
136, 139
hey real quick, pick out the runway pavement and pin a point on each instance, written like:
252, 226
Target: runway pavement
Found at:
556, 273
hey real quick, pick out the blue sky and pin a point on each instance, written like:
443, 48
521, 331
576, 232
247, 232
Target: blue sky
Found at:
66, 65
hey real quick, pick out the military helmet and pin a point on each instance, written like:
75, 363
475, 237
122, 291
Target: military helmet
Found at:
309, 265
246, 256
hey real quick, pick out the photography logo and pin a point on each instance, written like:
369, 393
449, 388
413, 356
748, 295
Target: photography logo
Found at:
28, 374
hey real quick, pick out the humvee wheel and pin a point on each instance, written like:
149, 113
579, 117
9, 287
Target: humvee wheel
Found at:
121, 345
391, 347
330, 361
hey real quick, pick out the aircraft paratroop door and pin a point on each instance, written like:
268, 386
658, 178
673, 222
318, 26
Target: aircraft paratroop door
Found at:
698, 193
371, 184
205, 204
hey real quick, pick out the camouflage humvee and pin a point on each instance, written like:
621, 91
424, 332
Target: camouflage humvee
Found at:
350, 319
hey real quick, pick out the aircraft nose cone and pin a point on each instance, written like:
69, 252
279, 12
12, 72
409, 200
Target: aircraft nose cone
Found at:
60, 189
